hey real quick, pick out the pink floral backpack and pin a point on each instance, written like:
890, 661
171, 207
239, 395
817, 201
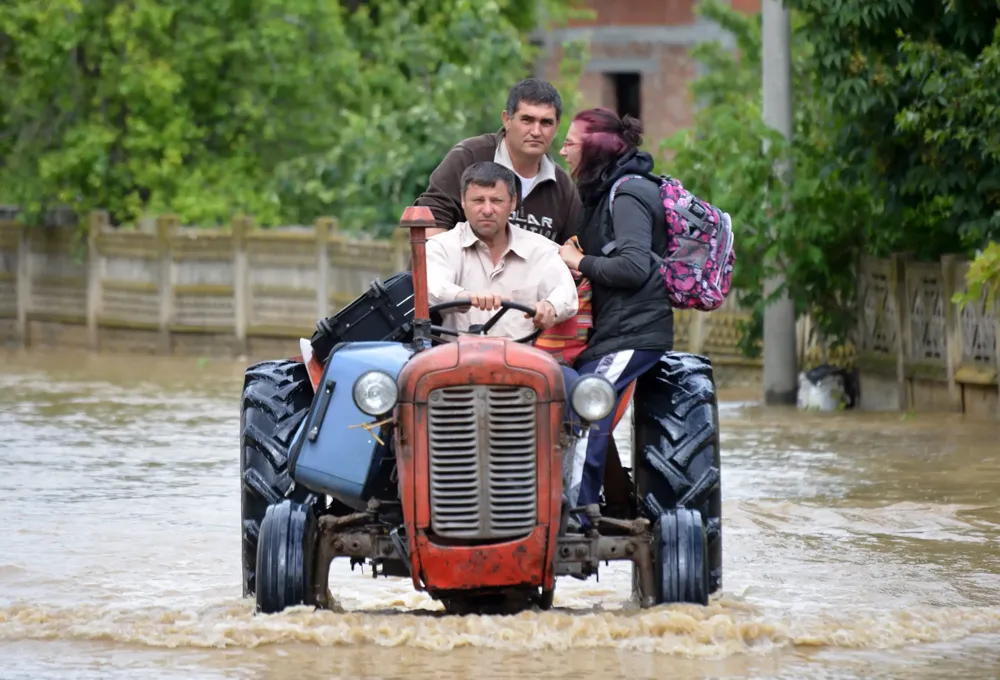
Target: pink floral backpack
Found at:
698, 268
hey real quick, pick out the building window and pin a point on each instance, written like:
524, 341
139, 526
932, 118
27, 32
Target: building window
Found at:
628, 93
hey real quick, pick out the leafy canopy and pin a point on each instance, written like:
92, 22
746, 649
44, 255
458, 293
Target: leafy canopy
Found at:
284, 109
895, 147
811, 229
916, 85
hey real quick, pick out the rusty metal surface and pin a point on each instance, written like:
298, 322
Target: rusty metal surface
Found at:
581, 556
483, 461
476, 360
363, 543
509, 564
479, 361
417, 219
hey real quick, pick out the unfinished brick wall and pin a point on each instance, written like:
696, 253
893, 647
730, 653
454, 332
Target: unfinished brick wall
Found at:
665, 98
640, 13
662, 57
748, 6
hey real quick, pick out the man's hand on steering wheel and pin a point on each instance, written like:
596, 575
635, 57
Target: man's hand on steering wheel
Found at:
530, 312
545, 315
484, 301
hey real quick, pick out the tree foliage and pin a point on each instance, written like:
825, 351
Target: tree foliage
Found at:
163, 104
983, 277
895, 146
282, 109
812, 229
915, 85
430, 81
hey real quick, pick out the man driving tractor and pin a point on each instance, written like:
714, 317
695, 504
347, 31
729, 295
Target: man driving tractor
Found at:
549, 204
486, 259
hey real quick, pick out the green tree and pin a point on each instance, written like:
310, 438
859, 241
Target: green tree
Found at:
954, 118
163, 104
915, 85
427, 81
285, 110
983, 277
812, 230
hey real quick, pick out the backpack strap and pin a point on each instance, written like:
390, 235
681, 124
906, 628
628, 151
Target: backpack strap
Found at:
618, 183
611, 245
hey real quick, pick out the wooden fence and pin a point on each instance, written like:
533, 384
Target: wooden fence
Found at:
245, 291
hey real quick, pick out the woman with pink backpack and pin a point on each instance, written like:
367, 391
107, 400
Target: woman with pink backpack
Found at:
646, 246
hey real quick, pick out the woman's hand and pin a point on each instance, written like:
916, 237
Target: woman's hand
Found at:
571, 255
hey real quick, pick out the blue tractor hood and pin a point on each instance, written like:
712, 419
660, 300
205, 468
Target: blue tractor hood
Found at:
333, 453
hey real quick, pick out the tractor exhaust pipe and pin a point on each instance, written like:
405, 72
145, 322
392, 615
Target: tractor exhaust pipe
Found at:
417, 218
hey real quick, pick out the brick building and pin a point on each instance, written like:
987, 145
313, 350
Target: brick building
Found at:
639, 58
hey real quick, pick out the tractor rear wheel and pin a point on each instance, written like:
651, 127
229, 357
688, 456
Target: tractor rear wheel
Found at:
677, 447
276, 397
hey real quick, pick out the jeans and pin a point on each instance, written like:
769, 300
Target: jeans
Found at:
589, 455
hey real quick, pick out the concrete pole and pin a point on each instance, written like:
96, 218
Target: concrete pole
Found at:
780, 360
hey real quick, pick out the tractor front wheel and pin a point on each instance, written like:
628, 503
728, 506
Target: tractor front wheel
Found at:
680, 558
285, 555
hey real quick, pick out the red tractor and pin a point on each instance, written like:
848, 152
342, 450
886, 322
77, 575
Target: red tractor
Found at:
442, 462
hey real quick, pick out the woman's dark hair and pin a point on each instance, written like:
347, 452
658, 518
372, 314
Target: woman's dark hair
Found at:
604, 138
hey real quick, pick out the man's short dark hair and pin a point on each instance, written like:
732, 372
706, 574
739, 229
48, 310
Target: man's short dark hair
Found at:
487, 174
534, 91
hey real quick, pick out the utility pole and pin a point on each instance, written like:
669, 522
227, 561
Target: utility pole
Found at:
780, 357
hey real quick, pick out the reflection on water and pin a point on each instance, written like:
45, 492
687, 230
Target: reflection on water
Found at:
856, 545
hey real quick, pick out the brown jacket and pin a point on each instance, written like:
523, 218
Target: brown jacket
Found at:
551, 208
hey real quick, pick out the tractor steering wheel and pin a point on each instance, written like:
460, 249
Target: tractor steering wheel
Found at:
483, 329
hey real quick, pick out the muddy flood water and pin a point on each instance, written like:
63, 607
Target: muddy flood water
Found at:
855, 546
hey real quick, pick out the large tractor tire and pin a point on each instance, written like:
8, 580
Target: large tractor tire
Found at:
276, 397
677, 447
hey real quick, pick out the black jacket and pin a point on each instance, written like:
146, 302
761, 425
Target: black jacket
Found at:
630, 304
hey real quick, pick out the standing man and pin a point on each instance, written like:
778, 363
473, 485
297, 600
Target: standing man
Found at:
548, 203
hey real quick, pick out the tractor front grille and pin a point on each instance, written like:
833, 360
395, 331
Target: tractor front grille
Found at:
483, 461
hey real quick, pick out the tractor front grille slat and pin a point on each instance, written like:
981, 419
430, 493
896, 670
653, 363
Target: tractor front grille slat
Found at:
483, 462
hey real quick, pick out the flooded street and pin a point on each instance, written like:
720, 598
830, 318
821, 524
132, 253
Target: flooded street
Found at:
855, 546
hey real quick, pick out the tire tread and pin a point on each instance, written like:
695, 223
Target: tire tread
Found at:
679, 448
276, 397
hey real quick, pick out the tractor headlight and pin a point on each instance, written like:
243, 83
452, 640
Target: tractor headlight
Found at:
593, 397
375, 393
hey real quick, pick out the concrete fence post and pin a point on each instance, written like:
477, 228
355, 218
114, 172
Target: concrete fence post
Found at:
696, 332
95, 277
952, 329
903, 337
241, 226
325, 228
166, 226
401, 249
996, 347
23, 285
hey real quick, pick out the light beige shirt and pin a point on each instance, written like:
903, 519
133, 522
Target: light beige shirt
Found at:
529, 271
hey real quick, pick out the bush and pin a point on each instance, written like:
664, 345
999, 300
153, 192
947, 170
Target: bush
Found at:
286, 110
811, 230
